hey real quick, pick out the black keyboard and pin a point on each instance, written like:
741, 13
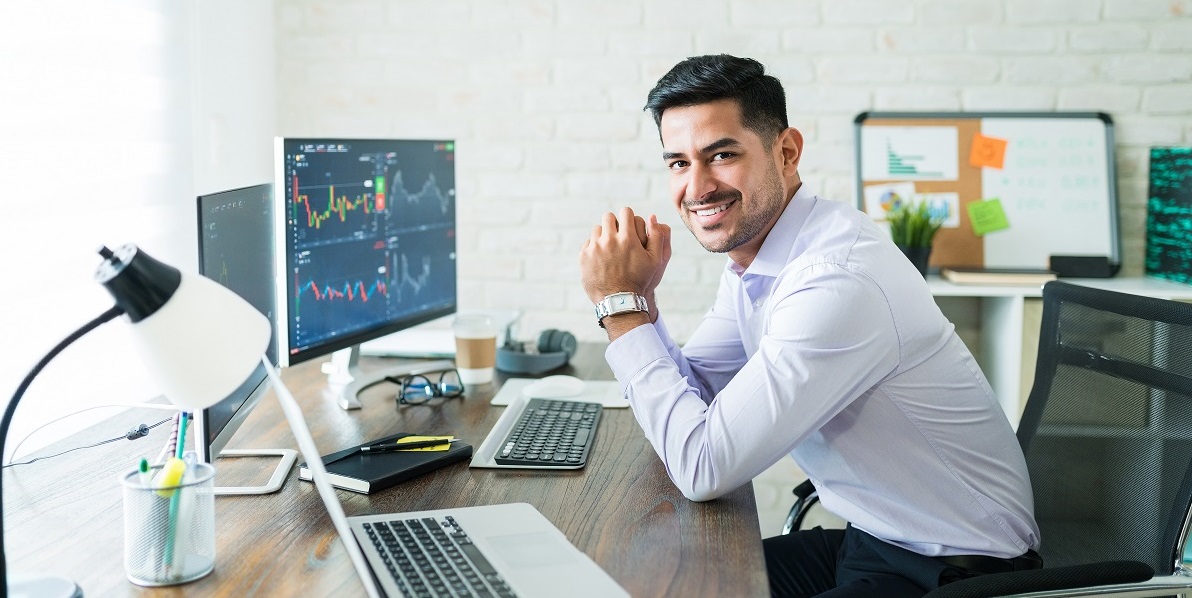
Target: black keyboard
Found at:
429, 558
551, 433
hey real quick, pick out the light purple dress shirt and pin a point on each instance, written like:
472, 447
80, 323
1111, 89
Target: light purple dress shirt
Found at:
830, 348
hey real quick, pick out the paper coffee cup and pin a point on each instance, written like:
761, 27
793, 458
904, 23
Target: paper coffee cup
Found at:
475, 348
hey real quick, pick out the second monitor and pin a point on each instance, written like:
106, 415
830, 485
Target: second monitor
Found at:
236, 250
367, 248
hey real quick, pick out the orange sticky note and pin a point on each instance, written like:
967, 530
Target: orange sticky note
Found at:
987, 152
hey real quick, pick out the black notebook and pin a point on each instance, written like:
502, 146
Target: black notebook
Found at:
368, 472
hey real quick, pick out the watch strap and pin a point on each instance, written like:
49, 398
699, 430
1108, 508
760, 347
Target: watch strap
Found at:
614, 304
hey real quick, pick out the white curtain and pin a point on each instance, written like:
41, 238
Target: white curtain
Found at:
95, 148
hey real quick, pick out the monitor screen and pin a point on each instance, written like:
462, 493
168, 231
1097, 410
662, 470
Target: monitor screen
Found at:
236, 250
367, 243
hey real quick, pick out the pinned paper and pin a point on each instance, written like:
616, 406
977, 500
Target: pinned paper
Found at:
880, 199
944, 207
987, 152
438, 447
910, 153
987, 216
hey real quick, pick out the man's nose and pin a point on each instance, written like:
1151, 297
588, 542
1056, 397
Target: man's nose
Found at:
701, 184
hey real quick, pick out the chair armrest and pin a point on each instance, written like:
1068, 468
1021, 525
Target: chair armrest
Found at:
805, 497
804, 490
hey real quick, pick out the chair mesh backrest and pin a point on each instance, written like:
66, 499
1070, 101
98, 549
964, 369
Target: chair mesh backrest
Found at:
1107, 429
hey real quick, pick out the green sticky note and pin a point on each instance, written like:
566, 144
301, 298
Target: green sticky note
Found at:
987, 216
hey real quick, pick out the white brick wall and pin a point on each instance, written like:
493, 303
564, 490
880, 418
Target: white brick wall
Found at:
545, 97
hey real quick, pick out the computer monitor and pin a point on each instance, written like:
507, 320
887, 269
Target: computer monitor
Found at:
236, 250
366, 248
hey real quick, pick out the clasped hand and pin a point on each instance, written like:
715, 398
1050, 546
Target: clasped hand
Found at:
625, 252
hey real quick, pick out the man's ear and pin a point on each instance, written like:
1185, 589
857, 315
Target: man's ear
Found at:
790, 145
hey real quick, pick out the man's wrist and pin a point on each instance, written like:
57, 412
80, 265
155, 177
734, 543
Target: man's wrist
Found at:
652, 302
617, 325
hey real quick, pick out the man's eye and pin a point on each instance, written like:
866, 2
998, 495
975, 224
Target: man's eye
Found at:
677, 164
721, 156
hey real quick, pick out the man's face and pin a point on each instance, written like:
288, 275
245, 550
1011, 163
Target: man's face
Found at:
725, 180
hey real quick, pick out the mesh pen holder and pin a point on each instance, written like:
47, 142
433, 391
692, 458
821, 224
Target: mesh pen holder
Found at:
169, 532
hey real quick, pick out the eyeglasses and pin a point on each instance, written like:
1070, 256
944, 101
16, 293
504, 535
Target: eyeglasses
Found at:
418, 388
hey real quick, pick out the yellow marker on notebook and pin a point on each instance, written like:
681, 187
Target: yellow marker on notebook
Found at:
418, 440
417, 443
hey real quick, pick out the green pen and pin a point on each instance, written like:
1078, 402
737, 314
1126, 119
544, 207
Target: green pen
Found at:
146, 478
172, 516
182, 435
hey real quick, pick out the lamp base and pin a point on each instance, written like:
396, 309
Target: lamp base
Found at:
28, 586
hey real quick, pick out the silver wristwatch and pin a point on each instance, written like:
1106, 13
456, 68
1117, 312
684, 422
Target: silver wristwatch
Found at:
619, 303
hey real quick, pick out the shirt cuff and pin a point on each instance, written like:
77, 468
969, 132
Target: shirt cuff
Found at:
633, 351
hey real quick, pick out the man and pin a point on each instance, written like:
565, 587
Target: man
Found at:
824, 343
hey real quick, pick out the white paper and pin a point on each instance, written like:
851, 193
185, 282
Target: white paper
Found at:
880, 199
605, 392
945, 206
433, 339
910, 153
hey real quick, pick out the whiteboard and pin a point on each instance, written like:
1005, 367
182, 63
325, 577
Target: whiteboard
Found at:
1054, 179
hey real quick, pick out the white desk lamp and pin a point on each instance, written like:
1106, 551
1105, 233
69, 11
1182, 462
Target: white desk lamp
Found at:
200, 341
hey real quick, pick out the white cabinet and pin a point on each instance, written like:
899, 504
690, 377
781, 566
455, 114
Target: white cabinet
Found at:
1008, 320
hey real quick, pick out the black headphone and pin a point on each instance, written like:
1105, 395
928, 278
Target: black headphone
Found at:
554, 349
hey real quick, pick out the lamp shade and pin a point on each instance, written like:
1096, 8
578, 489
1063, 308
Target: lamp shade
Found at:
198, 339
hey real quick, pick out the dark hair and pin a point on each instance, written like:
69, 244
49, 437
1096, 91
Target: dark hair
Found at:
703, 79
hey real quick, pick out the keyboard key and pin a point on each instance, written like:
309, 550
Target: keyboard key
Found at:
478, 559
581, 437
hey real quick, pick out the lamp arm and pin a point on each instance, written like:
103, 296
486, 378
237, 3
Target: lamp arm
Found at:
107, 316
314, 462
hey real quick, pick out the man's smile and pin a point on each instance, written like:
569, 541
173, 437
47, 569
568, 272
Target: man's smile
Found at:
715, 210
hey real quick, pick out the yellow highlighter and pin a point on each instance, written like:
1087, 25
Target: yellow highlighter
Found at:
170, 476
423, 443
412, 443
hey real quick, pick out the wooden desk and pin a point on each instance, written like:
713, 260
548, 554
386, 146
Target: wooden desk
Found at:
64, 515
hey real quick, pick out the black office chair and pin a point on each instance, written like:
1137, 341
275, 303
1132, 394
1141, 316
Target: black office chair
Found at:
1107, 435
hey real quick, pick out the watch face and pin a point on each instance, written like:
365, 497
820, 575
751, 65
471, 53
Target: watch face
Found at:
618, 303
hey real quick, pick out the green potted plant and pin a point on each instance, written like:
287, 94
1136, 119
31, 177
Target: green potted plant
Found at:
913, 227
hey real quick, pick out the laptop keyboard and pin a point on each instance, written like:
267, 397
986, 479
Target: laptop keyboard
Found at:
432, 559
551, 433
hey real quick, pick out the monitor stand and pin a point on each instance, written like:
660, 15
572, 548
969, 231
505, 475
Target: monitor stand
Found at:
288, 458
346, 381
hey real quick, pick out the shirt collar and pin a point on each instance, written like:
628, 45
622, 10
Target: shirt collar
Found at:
775, 251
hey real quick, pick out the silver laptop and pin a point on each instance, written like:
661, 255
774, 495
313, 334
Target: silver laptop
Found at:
502, 550
493, 550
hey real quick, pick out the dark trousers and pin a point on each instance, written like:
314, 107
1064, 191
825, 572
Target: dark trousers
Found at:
840, 563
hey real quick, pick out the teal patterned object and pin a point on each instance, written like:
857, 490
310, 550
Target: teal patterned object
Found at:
1169, 214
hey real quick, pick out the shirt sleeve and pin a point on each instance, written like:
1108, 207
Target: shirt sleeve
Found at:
828, 338
714, 353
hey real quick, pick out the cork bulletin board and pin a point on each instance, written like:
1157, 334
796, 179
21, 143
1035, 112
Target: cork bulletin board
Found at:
1012, 188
